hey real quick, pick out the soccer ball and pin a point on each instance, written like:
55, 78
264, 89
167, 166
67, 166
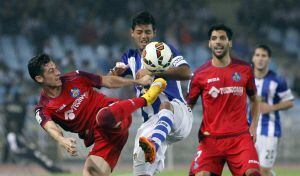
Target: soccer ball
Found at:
157, 57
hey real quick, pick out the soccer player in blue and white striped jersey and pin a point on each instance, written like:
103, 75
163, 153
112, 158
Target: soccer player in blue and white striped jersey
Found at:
168, 119
275, 96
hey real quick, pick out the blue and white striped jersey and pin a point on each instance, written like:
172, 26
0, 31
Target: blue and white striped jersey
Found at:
132, 58
272, 89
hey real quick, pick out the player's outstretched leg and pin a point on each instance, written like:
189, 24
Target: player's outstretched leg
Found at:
162, 129
112, 116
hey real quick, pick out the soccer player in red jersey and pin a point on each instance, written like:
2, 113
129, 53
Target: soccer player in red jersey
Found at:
71, 102
225, 136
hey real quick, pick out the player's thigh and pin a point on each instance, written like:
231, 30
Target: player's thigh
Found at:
183, 119
208, 158
242, 155
108, 146
267, 147
95, 165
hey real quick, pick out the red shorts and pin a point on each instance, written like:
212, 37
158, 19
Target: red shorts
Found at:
108, 144
238, 151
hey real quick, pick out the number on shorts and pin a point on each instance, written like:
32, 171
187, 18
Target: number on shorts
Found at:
198, 155
270, 154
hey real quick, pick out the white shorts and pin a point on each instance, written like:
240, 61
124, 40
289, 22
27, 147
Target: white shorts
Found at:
266, 147
183, 120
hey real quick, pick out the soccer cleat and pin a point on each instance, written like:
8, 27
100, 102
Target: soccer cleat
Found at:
148, 147
157, 87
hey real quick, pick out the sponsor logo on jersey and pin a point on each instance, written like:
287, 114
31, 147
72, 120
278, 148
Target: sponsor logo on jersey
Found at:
253, 161
75, 92
213, 79
236, 77
70, 115
214, 92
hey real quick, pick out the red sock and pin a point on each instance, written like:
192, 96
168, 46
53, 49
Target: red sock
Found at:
112, 115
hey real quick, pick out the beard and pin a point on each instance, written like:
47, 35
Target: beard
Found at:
220, 56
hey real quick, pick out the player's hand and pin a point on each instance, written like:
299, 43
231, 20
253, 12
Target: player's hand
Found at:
252, 131
119, 69
265, 108
145, 80
143, 72
70, 145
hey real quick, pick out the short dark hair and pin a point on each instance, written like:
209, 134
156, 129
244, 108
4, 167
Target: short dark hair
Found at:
143, 18
220, 26
264, 47
36, 65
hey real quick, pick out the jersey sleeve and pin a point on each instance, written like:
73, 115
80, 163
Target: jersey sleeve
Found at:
93, 79
283, 90
250, 87
124, 59
194, 90
177, 58
42, 116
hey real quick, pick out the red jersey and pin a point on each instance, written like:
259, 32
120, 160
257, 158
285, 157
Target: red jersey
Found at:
223, 91
76, 107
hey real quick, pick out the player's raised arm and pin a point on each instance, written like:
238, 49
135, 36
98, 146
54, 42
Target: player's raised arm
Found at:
116, 82
55, 132
182, 72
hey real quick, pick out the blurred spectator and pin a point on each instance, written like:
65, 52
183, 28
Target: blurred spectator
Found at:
16, 146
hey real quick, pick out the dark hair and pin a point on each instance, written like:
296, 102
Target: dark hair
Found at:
143, 18
35, 65
265, 47
222, 27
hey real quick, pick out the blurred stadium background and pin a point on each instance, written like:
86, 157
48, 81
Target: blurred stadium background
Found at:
91, 35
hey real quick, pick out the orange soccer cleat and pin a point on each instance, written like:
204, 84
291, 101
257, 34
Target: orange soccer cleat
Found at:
148, 147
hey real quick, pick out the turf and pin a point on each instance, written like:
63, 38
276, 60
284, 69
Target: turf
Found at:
279, 172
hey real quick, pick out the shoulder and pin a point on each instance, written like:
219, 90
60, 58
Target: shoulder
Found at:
129, 53
175, 51
43, 102
70, 76
203, 67
277, 78
239, 62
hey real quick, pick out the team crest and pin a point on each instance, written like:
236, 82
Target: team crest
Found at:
236, 76
75, 92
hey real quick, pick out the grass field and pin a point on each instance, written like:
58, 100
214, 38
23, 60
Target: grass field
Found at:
279, 172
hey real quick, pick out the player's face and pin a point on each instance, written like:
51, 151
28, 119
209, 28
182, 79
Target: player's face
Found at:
219, 43
142, 35
51, 76
260, 59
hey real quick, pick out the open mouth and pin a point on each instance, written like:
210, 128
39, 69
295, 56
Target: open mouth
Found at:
144, 42
219, 49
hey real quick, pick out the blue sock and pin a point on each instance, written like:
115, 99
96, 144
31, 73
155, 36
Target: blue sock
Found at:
163, 127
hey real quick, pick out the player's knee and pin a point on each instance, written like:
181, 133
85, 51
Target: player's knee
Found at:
166, 105
253, 172
105, 119
91, 168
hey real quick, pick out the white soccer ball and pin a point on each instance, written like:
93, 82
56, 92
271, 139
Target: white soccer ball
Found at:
157, 57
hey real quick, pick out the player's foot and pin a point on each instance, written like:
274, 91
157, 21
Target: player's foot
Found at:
148, 147
157, 87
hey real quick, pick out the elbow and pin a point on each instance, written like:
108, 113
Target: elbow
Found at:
187, 74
